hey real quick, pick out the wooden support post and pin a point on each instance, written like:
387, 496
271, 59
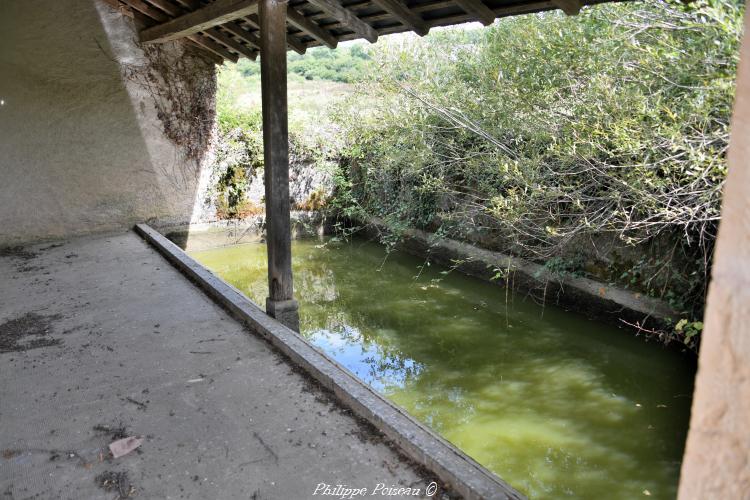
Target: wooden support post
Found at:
716, 462
280, 302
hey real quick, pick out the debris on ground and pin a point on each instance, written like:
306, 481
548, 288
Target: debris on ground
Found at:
13, 333
140, 404
118, 482
17, 252
114, 432
122, 447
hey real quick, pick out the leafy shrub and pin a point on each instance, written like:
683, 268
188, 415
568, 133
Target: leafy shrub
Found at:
544, 130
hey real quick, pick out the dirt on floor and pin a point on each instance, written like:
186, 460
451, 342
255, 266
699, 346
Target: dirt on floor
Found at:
30, 331
117, 483
17, 252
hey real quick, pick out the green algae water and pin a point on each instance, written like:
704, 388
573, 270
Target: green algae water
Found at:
557, 405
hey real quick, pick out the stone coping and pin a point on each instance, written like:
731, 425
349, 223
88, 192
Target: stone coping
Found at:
592, 298
460, 473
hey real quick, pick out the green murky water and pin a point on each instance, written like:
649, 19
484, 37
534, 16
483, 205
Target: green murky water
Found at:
555, 404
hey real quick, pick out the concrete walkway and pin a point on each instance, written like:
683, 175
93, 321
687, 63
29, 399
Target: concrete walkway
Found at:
101, 338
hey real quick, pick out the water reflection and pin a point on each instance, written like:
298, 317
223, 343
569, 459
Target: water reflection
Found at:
366, 359
555, 404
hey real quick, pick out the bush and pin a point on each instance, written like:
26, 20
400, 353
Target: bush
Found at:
545, 130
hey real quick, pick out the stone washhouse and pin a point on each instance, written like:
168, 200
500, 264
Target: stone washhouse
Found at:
98, 135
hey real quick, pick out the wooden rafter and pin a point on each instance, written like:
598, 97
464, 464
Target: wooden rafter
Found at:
147, 9
190, 4
405, 16
212, 46
419, 9
347, 17
207, 17
238, 31
328, 22
478, 9
115, 4
147, 15
168, 7
233, 44
296, 44
215, 33
308, 26
292, 41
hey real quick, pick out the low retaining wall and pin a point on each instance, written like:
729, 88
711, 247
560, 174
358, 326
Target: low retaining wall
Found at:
457, 470
592, 298
219, 233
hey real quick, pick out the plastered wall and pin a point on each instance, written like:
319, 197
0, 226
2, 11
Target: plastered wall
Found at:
82, 148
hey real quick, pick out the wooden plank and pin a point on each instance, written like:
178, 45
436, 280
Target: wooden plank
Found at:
147, 15
190, 4
242, 33
147, 9
502, 11
458, 18
218, 60
168, 7
296, 44
122, 9
176, 11
214, 47
410, 19
299, 21
293, 42
478, 9
570, 7
233, 44
371, 18
347, 18
207, 17
276, 157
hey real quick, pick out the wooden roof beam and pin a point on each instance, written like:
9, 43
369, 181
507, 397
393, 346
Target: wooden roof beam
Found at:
347, 18
299, 21
212, 46
214, 33
410, 19
146, 14
292, 41
241, 33
296, 44
233, 44
168, 7
190, 4
570, 7
218, 60
207, 17
478, 9
147, 9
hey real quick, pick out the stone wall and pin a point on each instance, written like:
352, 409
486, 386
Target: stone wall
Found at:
95, 134
240, 151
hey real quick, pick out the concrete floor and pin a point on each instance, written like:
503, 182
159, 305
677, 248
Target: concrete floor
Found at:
101, 333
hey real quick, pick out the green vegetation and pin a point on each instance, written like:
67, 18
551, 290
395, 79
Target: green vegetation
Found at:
346, 64
316, 79
592, 144
312, 135
551, 136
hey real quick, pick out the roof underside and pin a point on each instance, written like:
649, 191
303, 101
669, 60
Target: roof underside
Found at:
317, 22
